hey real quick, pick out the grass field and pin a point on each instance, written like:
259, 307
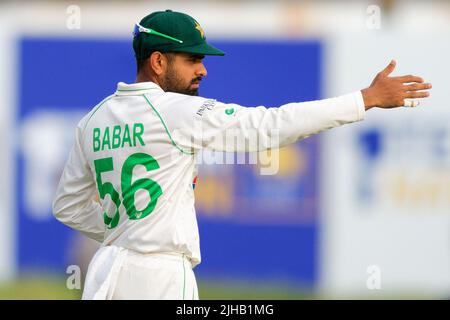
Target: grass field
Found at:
50, 288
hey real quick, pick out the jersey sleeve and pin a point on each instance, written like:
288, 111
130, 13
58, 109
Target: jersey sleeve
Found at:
199, 123
74, 204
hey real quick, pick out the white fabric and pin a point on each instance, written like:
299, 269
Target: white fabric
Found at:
171, 128
103, 272
411, 103
158, 276
116, 273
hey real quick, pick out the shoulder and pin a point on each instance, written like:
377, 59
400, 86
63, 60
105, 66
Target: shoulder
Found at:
85, 120
181, 109
182, 101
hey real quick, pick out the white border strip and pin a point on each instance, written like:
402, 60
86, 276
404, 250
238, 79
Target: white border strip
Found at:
8, 104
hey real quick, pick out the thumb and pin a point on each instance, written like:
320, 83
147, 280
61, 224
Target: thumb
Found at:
388, 70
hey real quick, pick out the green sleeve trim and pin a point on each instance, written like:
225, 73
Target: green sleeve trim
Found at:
165, 127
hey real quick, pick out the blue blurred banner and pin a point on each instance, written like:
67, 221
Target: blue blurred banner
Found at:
251, 225
255, 226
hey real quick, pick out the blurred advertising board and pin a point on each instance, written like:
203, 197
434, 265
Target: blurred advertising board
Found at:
386, 210
250, 225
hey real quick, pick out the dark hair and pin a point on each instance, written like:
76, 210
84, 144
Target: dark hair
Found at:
140, 63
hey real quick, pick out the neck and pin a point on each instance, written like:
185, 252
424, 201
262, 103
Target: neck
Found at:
146, 78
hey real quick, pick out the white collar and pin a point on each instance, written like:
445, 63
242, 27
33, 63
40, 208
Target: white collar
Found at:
124, 89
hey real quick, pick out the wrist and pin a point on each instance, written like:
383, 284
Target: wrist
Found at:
369, 99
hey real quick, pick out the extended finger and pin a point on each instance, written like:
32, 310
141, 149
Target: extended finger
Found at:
409, 78
388, 70
416, 94
417, 86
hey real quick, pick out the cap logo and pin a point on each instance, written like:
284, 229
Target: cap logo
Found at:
200, 29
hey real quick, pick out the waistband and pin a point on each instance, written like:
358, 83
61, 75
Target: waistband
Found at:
174, 256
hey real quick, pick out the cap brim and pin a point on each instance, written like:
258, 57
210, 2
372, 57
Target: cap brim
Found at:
204, 49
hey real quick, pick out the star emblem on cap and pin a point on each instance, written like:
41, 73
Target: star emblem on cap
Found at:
200, 29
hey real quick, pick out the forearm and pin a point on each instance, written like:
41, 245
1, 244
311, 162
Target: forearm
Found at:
256, 129
308, 118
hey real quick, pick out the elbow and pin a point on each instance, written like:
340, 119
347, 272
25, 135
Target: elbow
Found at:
58, 210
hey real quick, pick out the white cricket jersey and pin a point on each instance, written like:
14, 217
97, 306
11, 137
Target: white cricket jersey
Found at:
137, 150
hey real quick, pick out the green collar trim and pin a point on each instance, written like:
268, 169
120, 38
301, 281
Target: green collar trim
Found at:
128, 90
132, 88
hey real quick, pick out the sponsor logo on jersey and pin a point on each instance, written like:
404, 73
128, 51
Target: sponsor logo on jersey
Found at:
207, 105
229, 111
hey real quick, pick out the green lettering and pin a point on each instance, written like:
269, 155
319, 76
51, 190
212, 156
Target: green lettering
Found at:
116, 137
106, 142
126, 136
96, 139
137, 133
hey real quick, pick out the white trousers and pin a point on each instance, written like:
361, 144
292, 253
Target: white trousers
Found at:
117, 273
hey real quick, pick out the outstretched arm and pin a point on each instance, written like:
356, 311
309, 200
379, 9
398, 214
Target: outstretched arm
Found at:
200, 123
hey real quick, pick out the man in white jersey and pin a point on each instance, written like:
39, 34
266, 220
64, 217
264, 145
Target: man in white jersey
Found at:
128, 180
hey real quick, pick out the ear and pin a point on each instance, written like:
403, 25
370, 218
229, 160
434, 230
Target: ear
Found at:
157, 62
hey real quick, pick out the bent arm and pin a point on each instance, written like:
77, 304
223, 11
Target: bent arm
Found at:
74, 204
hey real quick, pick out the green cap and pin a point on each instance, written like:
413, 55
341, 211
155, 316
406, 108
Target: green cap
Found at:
170, 31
